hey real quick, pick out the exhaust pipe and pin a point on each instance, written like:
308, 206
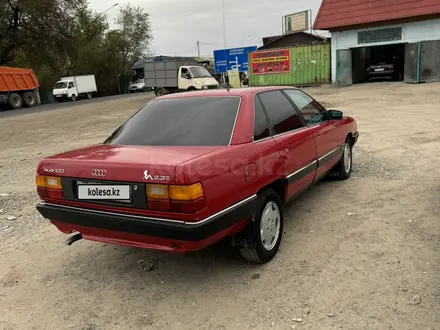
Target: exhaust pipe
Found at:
73, 239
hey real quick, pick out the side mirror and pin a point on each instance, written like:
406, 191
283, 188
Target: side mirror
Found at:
188, 76
336, 114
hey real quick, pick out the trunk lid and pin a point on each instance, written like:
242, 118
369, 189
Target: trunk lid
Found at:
122, 163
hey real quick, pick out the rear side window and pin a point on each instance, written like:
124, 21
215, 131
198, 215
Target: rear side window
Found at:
199, 121
261, 128
282, 114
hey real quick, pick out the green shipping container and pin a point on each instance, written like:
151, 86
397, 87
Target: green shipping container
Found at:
309, 65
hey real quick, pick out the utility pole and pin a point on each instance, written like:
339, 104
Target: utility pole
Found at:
105, 12
198, 48
224, 23
224, 38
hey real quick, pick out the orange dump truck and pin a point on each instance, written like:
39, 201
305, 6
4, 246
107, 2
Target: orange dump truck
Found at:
18, 88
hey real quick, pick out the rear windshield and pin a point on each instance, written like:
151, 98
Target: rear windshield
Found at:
200, 121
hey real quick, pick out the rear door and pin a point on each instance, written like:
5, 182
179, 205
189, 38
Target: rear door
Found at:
328, 132
295, 141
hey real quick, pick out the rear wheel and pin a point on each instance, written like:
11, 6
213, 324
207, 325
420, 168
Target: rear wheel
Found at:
262, 238
89, 96
160, 92
29, 99
15, 101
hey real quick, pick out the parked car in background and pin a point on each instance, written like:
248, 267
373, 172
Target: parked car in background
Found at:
18, 88
137, 86
384, 68
190, 169
73, 88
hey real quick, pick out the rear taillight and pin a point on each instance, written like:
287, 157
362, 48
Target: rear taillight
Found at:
181, 199
390, 67
49, 187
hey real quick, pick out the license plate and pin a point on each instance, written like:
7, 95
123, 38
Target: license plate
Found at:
382, 69
104, 192
58, 96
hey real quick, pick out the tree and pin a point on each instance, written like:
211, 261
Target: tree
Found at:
38, 26
130, 41
65, 37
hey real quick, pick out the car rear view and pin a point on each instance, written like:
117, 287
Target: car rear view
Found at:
384, 67
129, 190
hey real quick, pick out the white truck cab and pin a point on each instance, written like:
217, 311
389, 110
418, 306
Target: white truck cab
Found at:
195, 77
73, 88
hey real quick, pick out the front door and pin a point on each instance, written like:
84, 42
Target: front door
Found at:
185, 80
327, 131
296, 142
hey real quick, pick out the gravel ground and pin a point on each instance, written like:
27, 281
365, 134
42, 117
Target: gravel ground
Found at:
359, 254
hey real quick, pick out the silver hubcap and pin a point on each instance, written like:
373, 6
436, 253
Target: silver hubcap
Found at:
347, 158
270, 226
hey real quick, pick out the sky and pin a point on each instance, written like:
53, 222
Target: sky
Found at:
178, 24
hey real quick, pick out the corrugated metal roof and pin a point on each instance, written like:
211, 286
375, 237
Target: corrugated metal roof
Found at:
339, 13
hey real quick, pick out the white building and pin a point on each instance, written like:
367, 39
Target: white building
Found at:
363, 34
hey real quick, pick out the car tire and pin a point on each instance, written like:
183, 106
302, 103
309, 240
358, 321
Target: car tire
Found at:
15, 101
73, 97
29, 99
344, 168
266, 224
160, 92
89, 96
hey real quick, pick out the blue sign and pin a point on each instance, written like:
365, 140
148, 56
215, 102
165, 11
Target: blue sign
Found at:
226, 59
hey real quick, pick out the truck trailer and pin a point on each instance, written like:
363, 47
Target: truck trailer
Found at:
167, 74
18, 88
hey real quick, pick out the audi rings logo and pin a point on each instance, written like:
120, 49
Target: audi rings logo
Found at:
100, 173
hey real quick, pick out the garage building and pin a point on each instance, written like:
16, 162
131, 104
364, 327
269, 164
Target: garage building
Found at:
377, 39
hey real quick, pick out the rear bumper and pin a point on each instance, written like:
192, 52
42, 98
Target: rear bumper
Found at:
73, 217
380, 74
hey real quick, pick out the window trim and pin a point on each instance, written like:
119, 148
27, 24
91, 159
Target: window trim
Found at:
272, 128
236, 117
324, 111
269, 125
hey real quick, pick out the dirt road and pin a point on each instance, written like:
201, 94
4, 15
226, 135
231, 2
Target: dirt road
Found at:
360, 254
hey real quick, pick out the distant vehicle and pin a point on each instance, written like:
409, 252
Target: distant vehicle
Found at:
18, 88
384, 68
73, 88
176, 74
188, 170
137, 86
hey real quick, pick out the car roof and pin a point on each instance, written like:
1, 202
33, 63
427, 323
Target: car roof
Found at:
224, 92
